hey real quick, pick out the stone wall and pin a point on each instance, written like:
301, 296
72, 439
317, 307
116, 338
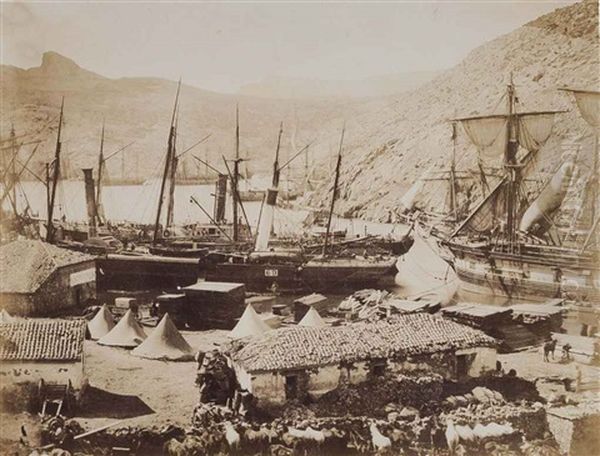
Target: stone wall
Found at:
577, 436
269, 387
58, 294
12, 372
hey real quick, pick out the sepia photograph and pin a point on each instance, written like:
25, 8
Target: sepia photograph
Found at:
299, 227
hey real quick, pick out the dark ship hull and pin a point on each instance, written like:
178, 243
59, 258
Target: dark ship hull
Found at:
327, 275
536, 273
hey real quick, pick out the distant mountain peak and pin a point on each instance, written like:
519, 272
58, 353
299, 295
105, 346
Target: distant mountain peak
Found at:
53, 62
57, 67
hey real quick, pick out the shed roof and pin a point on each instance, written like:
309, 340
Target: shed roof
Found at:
40, 339
404, 335
476, 310
311, 299
536, 309
26, 264
215, 287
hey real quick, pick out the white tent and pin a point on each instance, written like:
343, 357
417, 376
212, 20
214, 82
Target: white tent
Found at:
165, 342
127, 333
312, 319
101, 324
5, 317
250, 324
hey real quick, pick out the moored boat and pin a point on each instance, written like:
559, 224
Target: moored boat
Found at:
510, 246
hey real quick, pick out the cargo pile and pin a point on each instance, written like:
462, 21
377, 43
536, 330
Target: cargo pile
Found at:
370, 304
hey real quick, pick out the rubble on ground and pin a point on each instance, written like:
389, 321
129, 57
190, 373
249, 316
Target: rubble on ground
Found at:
371, 304
371, 397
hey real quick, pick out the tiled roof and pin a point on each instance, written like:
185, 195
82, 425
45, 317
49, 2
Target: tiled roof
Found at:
404, 335
40, 339
26, 264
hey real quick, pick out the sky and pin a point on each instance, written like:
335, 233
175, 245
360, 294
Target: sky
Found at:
223, 46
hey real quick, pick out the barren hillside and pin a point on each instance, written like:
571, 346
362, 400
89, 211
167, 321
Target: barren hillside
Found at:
139, 109
400, 138
389, 140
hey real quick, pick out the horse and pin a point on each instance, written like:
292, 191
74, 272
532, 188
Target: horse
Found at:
549, 349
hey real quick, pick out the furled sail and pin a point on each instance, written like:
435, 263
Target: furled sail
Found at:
534, 129
537, 219
488, 133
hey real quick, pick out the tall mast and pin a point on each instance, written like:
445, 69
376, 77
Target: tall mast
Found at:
47, 166
236, 173
453, 175
594, 186
307, 171
55, 176
13, 172
266, 217
168, 161
511, 166
99, 208
276, 170
172, 178
334, 196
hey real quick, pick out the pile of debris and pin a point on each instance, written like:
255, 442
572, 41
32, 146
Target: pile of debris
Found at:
370, 304
371, 397
484, 429
215, 379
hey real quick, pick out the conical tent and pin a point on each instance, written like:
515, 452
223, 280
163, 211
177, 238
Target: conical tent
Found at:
5, 317
101, 324
250, 324
165, 342
312, 319
127, 333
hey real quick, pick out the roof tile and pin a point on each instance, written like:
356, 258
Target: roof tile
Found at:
403, 335
40, 339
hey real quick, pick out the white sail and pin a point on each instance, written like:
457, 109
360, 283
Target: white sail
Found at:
588, 103
265, 223
408, 200
538, 216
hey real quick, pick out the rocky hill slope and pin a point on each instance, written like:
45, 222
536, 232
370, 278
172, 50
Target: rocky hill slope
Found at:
389, 140
139, 109
391, 146
298, 88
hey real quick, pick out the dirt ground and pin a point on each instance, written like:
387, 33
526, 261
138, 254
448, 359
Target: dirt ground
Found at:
124, 387
549, 376
146, 392
142, 391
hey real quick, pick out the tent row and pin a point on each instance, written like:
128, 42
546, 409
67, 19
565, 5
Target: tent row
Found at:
165, 342
250, 323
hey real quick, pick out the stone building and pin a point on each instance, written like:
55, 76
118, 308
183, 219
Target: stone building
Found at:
296, 362
37, 349
42, 280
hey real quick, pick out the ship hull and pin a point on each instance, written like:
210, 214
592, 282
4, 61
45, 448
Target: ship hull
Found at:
525, 276
310, 276
146, 272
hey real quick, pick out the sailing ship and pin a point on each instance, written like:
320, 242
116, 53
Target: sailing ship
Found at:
195, 241
292, 269
15, 220
509, 245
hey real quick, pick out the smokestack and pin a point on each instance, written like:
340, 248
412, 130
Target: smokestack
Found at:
90, 200
220, 198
